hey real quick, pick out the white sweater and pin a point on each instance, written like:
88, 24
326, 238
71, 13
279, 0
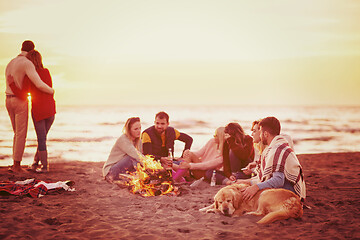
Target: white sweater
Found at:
122, 147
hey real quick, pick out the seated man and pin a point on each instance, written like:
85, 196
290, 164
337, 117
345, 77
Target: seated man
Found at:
259, 147
159, 139
279, 166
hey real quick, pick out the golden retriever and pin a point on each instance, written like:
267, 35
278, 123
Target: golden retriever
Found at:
275, 204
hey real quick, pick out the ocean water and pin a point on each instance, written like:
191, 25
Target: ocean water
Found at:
88, 133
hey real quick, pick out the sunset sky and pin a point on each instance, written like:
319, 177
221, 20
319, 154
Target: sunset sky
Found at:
190, 52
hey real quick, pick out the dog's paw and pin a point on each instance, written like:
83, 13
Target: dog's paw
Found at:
253, 213
210, 211
205, 209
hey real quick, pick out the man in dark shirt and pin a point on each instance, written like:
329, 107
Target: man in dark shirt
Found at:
157, 140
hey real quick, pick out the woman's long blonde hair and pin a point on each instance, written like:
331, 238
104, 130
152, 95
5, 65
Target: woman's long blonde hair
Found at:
220, 135
127, 128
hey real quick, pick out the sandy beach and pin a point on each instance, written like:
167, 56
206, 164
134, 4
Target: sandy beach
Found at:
99, 210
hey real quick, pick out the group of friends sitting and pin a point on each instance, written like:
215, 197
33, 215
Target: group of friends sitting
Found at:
264, 160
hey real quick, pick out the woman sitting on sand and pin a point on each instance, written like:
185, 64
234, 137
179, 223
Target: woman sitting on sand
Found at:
208, 157
238, 152
126, 152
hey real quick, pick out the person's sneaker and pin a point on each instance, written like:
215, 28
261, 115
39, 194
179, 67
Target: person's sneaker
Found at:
42, 170
32, 168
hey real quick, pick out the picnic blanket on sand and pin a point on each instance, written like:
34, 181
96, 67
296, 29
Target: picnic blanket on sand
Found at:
35, 188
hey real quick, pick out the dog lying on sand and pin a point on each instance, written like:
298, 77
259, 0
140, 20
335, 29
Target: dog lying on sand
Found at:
275, 204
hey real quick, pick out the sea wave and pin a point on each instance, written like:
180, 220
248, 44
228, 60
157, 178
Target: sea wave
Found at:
80, 139
321, 139
91, 136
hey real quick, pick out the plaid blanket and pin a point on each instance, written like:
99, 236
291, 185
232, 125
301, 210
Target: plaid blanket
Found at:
279, 157
21, 188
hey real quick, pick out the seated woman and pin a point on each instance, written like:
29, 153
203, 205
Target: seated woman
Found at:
126, 152
208, 157
238, 152
258, 148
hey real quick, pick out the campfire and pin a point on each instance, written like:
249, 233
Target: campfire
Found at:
150, 179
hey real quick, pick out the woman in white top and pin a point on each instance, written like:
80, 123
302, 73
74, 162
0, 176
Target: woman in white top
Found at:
126, 152
208, 157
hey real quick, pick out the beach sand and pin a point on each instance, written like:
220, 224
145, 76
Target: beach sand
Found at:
99, 210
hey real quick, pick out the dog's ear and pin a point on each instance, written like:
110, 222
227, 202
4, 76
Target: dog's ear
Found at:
237, 198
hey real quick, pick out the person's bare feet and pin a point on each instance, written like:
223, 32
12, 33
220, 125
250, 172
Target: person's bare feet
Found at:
16, 169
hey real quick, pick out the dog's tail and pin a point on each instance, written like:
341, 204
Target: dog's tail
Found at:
291, 209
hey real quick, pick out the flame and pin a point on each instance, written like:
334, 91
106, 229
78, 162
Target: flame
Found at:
140, 180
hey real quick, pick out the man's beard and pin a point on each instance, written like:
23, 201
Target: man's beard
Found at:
160, 131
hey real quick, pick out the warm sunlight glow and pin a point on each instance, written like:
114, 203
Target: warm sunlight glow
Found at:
233, 52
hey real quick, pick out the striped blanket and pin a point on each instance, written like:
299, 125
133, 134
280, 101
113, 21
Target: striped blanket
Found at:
279, 157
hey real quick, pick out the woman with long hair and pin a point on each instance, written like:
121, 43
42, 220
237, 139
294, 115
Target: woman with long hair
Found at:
42, 108
208, 157
238, 152
126, 152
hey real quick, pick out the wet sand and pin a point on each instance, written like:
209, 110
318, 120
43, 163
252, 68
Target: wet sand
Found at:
99, 210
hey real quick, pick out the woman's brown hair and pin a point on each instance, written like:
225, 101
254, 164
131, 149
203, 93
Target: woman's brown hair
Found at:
235, 131
127, 128
35, 57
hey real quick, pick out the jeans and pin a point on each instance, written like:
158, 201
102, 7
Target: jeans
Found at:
235, 163
235, 166
42, 128
18, 113
124, 165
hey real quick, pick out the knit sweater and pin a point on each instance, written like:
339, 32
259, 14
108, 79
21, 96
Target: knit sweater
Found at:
122, 147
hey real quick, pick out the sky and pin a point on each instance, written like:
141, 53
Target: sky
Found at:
197, 52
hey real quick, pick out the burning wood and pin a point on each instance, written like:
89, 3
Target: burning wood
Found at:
150, 179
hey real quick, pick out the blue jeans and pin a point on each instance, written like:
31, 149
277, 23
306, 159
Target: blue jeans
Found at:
42, 128
127, 164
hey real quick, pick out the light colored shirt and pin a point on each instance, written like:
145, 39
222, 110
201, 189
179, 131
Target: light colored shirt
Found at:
122, 147
18, 68
210, 157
